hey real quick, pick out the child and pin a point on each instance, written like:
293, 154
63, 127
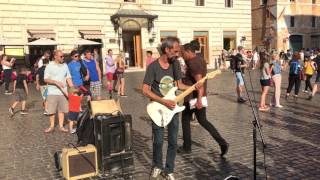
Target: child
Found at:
42, 86
74, 107
20, 89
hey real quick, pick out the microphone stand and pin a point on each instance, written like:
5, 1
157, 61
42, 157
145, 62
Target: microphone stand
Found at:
256, 125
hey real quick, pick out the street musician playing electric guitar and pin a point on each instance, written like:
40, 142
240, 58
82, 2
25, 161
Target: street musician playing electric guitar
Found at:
161, 76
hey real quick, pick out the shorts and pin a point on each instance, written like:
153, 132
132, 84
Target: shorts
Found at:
239, 78
95, 88
317, 78
73, 116
109, 76
57, 103
265, 82
44, 92
20, 95
120, 75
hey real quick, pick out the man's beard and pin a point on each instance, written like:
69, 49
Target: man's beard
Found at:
172, 59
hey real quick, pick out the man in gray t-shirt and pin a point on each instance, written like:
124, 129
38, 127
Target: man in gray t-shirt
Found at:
57, 76
160, 77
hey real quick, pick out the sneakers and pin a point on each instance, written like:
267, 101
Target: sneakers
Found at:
45, 112
155, 174
278, 106
72, 131
224, 149
11, 110
169, 176
305, 91
181, 150
7, 93
241, 100
123, 95
23, 112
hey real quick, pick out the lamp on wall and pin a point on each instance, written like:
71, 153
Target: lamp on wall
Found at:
153, 37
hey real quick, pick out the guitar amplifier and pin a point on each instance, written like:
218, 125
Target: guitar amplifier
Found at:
113, 140
79, 163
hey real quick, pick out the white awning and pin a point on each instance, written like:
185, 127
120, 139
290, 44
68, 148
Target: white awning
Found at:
91, 34
42, 33
43, 42
81, 42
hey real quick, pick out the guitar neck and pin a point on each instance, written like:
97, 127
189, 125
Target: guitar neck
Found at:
185, 93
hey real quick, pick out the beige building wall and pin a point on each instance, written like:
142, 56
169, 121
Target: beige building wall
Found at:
67, 17
277, 24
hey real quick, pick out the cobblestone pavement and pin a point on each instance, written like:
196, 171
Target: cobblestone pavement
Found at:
291, 134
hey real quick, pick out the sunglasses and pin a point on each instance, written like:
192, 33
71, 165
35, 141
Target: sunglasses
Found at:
76, 56
61, 56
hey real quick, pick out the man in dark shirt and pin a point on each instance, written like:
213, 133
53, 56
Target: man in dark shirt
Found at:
41, 85
196, 70
240, 65
317, 82
160, 77
20, 90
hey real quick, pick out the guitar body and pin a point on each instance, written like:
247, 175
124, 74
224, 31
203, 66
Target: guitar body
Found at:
160, 114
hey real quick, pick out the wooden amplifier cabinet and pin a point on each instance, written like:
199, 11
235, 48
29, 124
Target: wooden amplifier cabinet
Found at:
79, 165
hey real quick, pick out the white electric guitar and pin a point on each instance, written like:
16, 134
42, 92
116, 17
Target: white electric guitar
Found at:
161, 115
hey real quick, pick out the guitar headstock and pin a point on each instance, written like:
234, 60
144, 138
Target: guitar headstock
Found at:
213, 74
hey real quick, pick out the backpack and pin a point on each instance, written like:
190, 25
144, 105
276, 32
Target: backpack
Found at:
234, 61
294, 68
85, 129
83, 69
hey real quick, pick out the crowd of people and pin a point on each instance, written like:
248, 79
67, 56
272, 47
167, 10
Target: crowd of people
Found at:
63, 86
63, 83
301, 66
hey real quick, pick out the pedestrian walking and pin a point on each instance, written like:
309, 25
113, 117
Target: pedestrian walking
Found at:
7, 66
120, 75
239, 65
316, 65
276, 69
94, 75
41, 85
265, 76
295, 71
110, 71
57, 76
255, 59
308, 71
21, 91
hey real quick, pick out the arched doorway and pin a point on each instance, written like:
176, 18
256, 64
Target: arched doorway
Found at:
296, 42
131, 38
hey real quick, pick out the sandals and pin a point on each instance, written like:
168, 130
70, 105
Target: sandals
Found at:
62, 129
49, 130
264, 108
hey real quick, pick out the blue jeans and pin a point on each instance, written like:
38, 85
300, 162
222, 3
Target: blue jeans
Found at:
158, 132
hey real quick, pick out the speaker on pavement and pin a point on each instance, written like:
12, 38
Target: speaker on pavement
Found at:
113, 134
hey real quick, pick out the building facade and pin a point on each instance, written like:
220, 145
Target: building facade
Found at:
286, 24
132, 26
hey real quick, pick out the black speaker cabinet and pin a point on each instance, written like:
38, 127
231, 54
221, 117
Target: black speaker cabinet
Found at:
113, 140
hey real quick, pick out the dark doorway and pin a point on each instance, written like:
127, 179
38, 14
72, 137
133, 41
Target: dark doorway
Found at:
36, 52
296, 42
132, 45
